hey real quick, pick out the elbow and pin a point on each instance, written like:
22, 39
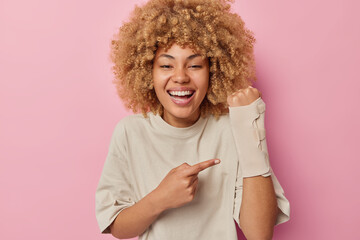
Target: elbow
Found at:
115, 235
121, 236
118, 234
113, 231
261, 238
265, 231
264, 234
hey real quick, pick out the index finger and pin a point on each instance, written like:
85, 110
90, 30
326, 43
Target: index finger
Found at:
196, 168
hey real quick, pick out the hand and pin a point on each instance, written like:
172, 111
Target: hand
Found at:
179, 185
243, 97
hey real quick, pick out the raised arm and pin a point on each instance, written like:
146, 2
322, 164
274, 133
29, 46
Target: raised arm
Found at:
259, 209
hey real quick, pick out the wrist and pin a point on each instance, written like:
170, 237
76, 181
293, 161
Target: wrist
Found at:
248, 128
156, 202
246, 114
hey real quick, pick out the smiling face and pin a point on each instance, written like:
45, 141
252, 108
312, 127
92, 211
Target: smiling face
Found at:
181, 80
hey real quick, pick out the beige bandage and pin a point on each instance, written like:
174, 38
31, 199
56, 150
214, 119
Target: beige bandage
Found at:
248, 126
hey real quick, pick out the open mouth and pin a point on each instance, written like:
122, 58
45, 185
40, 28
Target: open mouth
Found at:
181, 94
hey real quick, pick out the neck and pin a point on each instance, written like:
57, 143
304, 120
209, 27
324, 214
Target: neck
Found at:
181, 122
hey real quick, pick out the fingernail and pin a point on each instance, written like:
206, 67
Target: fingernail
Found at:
217, 161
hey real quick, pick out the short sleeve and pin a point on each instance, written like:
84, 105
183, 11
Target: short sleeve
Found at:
282, 202
114, 192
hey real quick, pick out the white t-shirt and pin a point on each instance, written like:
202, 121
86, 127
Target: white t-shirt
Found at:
143, 150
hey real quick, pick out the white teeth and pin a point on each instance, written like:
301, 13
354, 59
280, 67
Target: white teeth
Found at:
180, 93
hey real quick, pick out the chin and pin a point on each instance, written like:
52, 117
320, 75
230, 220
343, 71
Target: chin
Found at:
182, 113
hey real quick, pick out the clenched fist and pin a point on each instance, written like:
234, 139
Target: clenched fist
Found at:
243, 97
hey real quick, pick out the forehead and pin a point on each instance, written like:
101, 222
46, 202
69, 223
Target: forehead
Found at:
176, 52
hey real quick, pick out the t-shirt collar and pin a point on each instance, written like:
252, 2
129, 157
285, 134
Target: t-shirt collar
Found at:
168, 129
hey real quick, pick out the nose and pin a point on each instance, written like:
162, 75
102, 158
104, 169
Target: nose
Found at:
180, 76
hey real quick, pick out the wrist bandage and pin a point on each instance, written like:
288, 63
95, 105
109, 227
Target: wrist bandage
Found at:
248, 127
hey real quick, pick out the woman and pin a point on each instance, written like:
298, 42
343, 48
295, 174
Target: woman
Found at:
196, 158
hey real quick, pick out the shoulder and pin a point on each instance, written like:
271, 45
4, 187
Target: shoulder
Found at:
126, 127
134, 119
131, 122
219, 125
222, 119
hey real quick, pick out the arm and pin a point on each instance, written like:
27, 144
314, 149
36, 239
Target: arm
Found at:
134, 220
117, 210
258, 212
259, 209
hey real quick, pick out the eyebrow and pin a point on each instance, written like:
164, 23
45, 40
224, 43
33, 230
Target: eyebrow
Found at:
171, 57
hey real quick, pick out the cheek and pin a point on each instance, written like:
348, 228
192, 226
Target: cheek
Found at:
205, 83
159, 78
159, 86
157, 89
156, 79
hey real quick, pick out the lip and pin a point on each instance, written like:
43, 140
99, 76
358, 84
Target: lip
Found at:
182, 102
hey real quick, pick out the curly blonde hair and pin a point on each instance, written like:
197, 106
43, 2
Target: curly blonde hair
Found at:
207, 26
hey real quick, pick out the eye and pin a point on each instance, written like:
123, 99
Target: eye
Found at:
165, 66
195, 66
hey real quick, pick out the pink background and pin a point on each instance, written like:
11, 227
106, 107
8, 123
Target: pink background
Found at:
58, 109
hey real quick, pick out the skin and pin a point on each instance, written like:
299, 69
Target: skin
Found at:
182, 67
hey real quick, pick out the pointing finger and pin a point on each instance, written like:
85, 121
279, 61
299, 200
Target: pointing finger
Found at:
196, 168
